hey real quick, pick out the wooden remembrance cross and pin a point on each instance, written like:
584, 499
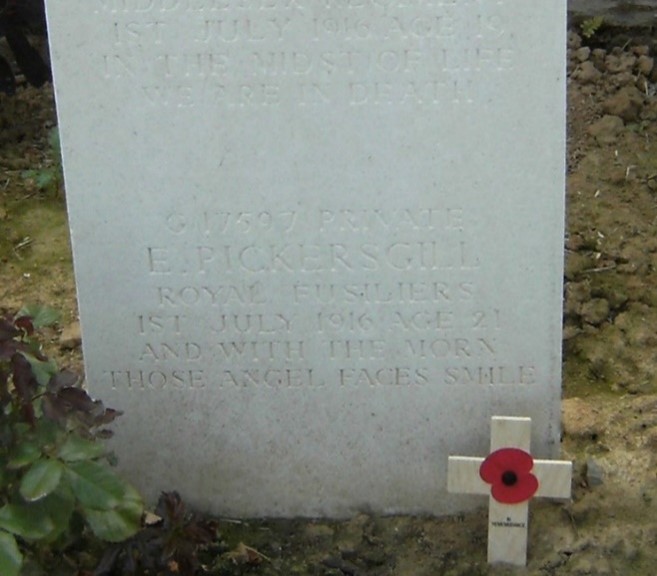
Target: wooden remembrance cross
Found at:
511, 477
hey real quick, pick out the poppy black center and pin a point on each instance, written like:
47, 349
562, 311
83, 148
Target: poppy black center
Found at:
509, 478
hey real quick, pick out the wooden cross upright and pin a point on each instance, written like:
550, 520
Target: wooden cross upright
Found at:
510, 477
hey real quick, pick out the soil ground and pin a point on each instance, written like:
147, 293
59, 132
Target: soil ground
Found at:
610, 345
614, 12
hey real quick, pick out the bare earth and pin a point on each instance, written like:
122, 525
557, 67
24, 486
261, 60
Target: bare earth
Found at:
610, 346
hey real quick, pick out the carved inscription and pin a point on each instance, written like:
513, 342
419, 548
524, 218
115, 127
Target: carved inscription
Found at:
246, 54
342, 304
275, 289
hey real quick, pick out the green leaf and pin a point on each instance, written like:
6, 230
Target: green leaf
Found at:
119, 523
53, 140
43, 370
25, 453
77, 448
47, 434
41, 315
41, 521
27, 521
44, 178
94, 485
41, 479
59, 507
10, 557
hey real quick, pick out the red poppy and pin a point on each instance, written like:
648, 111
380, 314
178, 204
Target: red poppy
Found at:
509, 472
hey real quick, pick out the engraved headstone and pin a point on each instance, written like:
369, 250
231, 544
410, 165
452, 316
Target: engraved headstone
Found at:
318, 243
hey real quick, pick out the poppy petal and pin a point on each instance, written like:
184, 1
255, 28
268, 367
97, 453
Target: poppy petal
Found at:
508, 470
525, 487
505, 459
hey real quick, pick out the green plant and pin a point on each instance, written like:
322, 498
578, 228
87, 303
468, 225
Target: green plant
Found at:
49, 178
591, 26
167, 546
53, 478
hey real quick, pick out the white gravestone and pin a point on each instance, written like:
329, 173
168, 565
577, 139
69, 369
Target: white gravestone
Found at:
318, 243
509, 485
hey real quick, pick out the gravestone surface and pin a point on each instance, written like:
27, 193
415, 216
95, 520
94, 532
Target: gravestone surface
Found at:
318, 244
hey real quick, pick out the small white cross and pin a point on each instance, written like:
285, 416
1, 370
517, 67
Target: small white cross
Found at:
507, 523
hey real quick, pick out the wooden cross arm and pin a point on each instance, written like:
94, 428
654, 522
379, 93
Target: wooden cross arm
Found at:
554, 477
463, 476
